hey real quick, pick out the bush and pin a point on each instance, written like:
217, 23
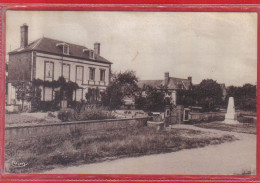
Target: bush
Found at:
51, 115
248, 104
243, 119
86, 114
95, 114
48, 106
67, 115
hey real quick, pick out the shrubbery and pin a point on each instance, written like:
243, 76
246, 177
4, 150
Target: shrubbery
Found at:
95, 114
67, 115
85, 114
48, 106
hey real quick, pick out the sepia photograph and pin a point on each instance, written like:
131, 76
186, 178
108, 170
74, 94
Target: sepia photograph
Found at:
130, 92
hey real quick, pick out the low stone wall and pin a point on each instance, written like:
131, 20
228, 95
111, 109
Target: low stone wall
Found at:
12, 108
25, 132
209, 116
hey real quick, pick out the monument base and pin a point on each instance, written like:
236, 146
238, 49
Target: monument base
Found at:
231, 121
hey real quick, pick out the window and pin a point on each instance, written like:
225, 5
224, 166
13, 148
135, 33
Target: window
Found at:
79, 74
102, 74
47, 94
65, 49
66, 71
92, 73
79, 93
49, 68
89, 53
86, 52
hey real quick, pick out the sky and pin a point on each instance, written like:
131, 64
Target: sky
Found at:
204, 45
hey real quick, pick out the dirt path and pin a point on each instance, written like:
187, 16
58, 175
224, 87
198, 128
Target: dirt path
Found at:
227, 159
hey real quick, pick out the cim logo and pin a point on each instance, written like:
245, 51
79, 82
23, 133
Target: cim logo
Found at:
19, 164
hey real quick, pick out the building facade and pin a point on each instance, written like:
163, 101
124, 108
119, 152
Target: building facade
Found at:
48, 59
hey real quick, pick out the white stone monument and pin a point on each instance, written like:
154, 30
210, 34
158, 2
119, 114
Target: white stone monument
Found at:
231, 117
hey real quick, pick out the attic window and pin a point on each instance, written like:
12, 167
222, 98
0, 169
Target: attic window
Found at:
86, 51
89, 53
65, 48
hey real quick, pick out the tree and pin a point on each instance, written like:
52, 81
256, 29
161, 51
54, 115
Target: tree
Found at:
122, 85
36, 98
24, 92
186, 97
208, 94
245, 96
152, 99
249, 90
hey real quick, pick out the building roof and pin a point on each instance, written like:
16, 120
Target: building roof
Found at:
152, 83
173, 83
49, 45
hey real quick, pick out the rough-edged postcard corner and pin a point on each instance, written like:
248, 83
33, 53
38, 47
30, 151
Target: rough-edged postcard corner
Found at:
118, 92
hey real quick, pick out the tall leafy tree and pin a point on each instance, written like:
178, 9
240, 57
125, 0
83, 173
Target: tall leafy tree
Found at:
123, 84
187, 97
245, 96
208, 94
152, 99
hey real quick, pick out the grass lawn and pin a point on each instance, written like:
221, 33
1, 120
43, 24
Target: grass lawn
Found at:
76, 147
240, 128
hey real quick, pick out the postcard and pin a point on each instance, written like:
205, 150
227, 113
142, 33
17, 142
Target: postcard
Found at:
130, 92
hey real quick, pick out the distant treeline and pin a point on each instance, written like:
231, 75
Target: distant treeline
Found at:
245, 96
209, 95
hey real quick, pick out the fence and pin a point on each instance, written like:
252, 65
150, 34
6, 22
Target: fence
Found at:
68, 127
209, 116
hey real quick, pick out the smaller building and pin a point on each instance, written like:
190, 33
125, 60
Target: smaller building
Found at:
169, 84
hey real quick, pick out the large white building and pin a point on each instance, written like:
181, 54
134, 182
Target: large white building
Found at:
48, 59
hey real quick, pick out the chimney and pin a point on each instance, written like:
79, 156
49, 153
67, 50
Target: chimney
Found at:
97, 48
190, 79
24, 35
166, 78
